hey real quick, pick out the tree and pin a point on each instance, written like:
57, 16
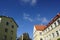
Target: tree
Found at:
58, 39
26, 36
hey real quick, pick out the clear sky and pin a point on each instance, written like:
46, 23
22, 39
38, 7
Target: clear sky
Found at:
28, 13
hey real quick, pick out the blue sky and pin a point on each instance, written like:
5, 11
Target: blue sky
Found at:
28, 13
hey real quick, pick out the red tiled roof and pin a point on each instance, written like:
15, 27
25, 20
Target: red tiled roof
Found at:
53, 20
43, 27
40, 27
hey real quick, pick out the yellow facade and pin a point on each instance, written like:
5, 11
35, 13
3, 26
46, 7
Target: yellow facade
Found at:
8, 28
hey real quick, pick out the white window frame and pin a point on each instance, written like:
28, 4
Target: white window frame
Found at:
0, 20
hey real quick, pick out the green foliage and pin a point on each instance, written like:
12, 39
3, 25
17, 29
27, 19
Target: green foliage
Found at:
26, 36
58, 39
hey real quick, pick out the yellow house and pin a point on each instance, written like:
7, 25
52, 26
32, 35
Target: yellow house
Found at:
49, 32
8, 28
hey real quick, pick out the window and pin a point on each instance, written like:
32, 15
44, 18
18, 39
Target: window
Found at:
55, 24
11, 32
49, 35
5, 37
57, 33
17, 39
11, 38
48, 29
10, 20
40, 33
0, 20
6, 30
41, 39
53, 34
58, 21
12, 26
7, 23
59, 29
51, 27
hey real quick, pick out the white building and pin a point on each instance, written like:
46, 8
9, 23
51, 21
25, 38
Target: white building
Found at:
49, 32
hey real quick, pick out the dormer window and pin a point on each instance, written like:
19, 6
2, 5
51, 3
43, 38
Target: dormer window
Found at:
40, 33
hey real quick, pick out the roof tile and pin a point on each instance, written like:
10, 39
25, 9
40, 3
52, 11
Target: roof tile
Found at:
40, 27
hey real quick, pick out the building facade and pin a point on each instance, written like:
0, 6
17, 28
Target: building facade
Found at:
49, 32
8, 28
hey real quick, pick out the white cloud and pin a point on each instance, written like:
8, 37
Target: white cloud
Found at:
38, 18
3, 11
38, 15
30, 19
44, 20
26, 14
25, 1
27, 17
33, 2
30, 2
